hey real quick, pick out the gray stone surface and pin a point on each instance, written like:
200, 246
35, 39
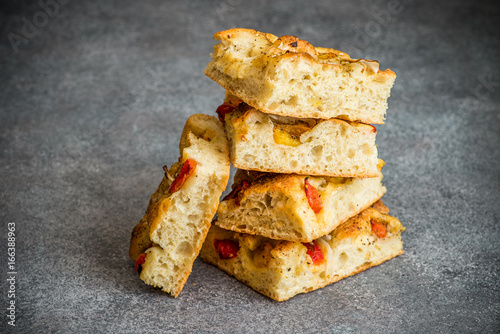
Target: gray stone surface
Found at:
92, 107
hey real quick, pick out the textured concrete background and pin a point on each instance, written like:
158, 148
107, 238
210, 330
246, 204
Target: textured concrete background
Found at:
94, 97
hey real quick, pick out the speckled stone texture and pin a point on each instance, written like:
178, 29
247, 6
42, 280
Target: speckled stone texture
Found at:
92, 105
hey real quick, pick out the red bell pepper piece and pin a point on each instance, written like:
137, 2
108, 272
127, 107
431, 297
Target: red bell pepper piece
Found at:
227, 249
313, 197
314, 251
186, 171
379, 229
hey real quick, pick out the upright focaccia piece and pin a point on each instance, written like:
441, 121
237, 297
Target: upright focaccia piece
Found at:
289, 77
280, 144
294, 207
169, 237
282, 269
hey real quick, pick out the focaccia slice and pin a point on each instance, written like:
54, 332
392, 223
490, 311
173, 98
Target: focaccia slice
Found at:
278, 206
283, 269
289, 77
280, 144
168, 239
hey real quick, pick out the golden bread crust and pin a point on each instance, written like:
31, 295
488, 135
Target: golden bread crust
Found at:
139, 240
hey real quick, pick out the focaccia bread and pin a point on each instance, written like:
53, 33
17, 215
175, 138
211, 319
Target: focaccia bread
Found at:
280, 144
180, 211
282, 269
279, 206
289, 77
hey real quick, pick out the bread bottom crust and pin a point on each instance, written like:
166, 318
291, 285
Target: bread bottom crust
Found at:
280, 297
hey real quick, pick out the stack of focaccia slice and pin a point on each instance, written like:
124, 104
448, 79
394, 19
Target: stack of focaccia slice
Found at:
304, 210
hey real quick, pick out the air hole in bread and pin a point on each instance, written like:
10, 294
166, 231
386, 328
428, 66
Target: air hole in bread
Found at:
260, 207
241, 227
351, 153
343, 258
294, 163
293, 100
185, 247
267, 200
249, 158
255, 211
343, 129
277, 200
367, 149
316, 151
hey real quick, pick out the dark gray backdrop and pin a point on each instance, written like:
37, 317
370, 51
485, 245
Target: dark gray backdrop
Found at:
94, 96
